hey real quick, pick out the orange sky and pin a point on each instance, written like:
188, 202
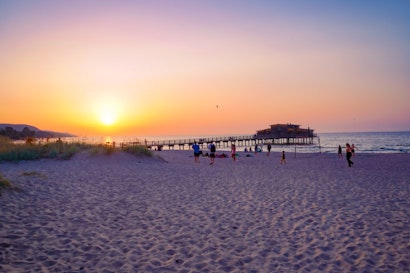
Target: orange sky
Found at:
162, 69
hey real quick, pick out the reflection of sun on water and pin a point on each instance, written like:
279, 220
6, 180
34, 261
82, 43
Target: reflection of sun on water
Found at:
108, 140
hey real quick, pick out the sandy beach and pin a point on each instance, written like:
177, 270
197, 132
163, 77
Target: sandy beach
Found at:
122, 213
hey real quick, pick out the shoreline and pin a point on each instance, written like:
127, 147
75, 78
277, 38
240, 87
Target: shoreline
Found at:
122, 213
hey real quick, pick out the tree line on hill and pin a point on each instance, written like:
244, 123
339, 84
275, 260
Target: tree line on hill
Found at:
24, 132
13, 134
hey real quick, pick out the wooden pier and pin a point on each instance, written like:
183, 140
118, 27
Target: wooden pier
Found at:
226, 142
220, 142
278, 134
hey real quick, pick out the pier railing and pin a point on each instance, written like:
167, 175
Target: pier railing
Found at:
191, 141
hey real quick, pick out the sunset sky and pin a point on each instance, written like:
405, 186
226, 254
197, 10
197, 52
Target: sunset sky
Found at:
204, 67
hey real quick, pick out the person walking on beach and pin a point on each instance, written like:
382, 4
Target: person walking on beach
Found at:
269, 148
233, 152
283, 158
212, 149
196, 152
353, 150
339, 152
349, 155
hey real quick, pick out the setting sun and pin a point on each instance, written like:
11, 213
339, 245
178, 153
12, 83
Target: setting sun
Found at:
108, 118
107, 109
107, 113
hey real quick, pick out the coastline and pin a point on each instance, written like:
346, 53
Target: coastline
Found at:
122, 213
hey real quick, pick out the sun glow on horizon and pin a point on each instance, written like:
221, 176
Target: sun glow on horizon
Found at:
108, 113
108, 119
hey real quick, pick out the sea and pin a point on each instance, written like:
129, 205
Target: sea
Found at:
365, 142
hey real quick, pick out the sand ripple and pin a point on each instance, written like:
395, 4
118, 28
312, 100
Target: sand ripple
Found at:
127, 214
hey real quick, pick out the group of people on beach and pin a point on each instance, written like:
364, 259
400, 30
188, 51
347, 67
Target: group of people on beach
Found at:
212, 154
350, 152
198, 152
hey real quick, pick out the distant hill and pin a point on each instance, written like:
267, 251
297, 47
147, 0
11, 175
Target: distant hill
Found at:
18, 131
18, 127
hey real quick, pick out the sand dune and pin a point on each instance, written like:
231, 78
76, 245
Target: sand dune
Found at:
121, 213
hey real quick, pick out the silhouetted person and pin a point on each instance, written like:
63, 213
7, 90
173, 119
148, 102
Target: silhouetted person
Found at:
212, 149
283, 158
269, 148
233, 152
353, 150
196, 149
349, 155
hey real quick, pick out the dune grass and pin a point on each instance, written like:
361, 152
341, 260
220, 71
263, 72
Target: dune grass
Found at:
10, 151
6, 185
102, 149
138, 150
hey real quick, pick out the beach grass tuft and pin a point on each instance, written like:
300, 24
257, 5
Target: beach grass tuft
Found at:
6, 185
102, 149
138, 150
33, 174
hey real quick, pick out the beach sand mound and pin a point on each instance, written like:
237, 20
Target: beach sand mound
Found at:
121, 213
